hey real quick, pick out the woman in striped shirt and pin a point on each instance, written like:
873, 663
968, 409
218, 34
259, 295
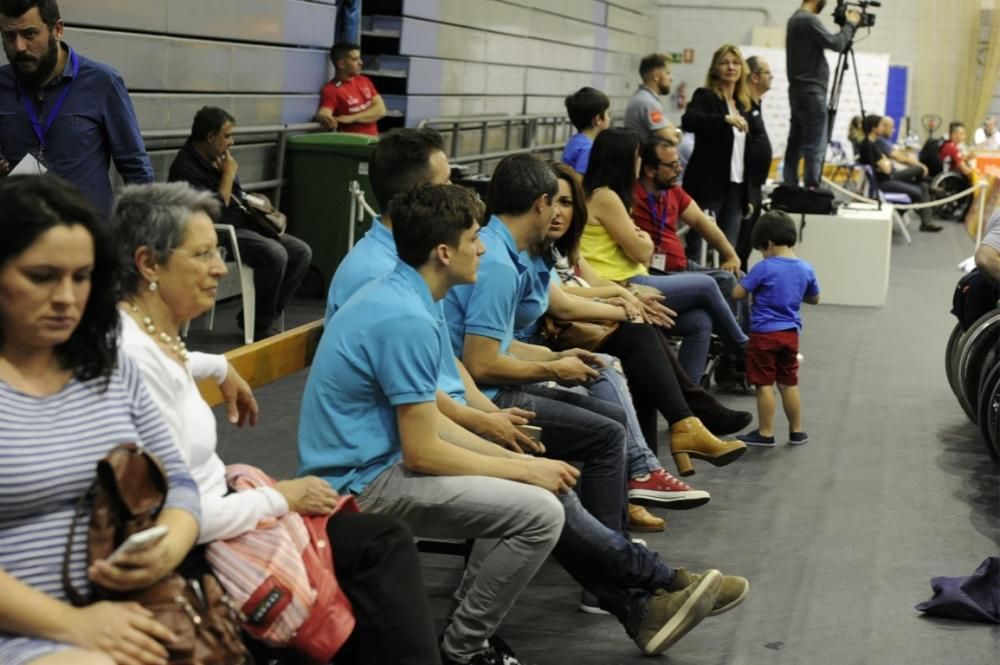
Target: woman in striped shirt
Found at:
66, 399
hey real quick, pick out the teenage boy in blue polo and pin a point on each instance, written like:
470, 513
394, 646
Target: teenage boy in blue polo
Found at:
370, 426
403, 159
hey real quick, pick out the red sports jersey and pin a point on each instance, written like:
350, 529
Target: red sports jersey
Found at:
349, 97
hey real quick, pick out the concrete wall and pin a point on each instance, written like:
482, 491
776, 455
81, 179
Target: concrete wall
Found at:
471, 57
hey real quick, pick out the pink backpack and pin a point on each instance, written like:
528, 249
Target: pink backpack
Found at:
280, 575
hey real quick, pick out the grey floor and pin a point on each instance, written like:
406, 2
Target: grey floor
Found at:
839, 538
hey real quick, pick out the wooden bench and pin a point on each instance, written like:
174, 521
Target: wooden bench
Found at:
284, 354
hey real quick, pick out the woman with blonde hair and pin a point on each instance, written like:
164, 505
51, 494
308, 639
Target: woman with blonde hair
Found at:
718, 115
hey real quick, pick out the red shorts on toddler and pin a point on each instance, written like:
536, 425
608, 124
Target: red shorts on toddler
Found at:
773, 357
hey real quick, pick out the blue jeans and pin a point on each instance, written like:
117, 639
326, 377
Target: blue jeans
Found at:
689, 292
574, 429
727, 281
806, 136
611, 386
620, 573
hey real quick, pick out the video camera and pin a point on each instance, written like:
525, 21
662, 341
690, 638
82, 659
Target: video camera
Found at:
867, 18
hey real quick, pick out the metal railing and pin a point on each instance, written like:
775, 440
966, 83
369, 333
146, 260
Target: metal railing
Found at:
521, 133
542, 132
174, 138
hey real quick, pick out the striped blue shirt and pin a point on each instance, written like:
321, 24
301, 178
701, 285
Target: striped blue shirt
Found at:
49, 449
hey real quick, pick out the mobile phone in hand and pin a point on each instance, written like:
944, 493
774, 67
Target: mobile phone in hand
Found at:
531, 431
139, 541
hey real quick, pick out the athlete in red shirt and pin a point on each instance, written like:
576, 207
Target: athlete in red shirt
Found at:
951, 153
349, 102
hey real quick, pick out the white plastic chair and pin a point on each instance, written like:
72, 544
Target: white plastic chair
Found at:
238, 280
889, 197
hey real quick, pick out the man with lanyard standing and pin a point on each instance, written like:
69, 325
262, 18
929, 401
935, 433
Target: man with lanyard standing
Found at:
61, 111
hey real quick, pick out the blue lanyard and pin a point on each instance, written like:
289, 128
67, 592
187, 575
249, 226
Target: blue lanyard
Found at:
661, 222
29, 107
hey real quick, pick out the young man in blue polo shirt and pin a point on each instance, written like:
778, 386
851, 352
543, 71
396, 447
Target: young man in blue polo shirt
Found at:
370, 426
481, 320
403, 159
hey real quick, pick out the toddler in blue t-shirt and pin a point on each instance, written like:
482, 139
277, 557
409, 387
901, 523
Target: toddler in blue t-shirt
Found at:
779, 285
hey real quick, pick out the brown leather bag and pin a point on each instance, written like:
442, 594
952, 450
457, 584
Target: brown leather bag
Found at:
128, 494
588, 335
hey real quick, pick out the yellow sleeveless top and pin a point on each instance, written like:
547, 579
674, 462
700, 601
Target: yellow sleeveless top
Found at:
606, 256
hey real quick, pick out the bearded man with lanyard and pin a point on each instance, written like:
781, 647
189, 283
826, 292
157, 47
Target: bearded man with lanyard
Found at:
658, 202
63, 112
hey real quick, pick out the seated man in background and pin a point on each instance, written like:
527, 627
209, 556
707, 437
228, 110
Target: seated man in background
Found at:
588, 110
909, 181
279, 264
370, 426
987, 137
883, 136
349, 102
953, 151
403, 159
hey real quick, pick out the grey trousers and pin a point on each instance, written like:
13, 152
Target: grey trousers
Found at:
521, 522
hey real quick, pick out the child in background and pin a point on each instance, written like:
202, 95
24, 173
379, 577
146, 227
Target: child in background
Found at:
779, 284
588, 111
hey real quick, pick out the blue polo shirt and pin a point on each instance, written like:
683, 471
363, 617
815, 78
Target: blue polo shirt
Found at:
778, 285
534, 297
576, 154
488, 306
372, 257
382, 350
96, 125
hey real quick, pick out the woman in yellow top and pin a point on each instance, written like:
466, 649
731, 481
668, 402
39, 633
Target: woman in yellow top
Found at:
620, 251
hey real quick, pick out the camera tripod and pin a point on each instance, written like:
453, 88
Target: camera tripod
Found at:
838, 82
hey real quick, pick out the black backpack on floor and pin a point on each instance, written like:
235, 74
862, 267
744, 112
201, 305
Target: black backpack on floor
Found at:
801, 200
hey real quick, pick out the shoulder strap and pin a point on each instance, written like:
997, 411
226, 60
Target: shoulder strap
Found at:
75, 597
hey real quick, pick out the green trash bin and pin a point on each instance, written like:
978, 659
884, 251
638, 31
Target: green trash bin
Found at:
320, 170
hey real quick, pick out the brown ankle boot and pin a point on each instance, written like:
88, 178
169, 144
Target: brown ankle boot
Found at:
689, 438
640, 519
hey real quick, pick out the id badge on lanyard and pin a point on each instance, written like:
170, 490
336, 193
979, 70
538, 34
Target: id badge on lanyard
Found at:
659, 260
36, 123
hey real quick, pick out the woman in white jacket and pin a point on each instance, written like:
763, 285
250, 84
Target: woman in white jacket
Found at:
171, 264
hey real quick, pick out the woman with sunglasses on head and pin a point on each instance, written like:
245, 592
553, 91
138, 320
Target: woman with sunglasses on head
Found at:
644, 354
621, 252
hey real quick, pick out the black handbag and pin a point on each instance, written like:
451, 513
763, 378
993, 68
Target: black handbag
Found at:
802, 200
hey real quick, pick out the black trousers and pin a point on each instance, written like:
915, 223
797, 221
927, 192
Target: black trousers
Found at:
651, 376
279, 267
377, 566
910, 181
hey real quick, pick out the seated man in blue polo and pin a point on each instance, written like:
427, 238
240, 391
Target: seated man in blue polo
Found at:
403, 159
370, 426
481, 320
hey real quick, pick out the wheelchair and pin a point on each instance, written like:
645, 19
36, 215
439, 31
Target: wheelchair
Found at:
949, 183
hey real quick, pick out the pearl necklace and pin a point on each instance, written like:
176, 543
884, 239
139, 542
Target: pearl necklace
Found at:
175, 344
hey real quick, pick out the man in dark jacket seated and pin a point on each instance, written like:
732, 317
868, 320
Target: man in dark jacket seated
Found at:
279, 264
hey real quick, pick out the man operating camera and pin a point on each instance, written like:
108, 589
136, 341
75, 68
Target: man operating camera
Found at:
808, 78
